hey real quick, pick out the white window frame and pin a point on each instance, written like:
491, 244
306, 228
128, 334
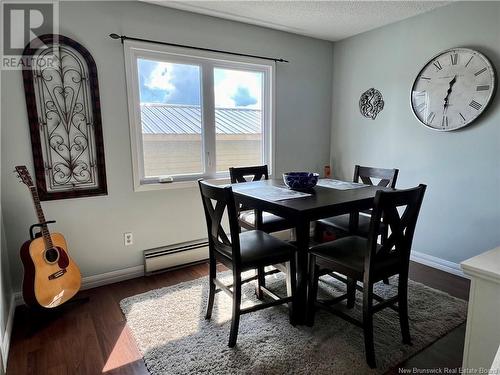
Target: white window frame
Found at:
207, 61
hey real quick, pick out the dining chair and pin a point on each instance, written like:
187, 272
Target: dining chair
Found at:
366, 175
363, 259
341, 224
241, 252
248, 218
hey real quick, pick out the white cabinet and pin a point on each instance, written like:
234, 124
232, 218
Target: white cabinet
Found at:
482, 338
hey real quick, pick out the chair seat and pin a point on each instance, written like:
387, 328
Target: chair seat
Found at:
341, 222
261, 249
270, 222
349, 253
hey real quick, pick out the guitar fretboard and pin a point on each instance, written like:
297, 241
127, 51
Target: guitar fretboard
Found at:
41, 218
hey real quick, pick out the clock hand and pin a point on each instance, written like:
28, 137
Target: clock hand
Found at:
446, 99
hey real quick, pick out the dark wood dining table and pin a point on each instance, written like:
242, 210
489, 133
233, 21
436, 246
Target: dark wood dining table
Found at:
300, 212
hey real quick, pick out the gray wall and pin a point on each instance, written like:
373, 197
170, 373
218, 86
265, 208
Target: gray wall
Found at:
461, 212
94, 227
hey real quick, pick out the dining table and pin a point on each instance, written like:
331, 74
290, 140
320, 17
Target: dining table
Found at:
300, 210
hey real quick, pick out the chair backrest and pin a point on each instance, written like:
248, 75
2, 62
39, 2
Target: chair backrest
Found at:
239, 174
387, 177
401, 227
216, 200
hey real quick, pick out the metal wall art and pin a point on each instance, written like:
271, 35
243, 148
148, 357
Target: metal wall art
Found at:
371, 103
62, 97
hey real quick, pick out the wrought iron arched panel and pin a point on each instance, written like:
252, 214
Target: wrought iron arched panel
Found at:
62, 97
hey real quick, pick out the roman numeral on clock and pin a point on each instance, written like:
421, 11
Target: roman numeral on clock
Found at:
480, 72
437, 64
431, 117
421, 107
454, 58
475, 105
444, 123
468, 62
483, 88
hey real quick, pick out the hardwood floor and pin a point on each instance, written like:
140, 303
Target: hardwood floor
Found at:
446, 352
451, 284
92, 337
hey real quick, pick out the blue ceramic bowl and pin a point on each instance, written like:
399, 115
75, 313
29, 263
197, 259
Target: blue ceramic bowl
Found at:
300, 180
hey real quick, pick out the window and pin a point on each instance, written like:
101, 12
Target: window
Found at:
195, 114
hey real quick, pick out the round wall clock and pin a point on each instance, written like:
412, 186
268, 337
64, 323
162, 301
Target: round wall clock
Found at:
453, 89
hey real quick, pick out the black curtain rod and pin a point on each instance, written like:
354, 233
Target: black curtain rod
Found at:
124, 37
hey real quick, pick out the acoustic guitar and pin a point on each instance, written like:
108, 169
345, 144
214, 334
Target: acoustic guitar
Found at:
50, 276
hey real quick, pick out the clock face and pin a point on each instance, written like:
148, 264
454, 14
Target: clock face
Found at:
453, 89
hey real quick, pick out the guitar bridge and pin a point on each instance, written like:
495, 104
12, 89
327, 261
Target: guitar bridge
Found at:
57, 274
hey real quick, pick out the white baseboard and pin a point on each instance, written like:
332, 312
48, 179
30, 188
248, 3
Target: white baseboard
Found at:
8, 331
106, 278
438, 263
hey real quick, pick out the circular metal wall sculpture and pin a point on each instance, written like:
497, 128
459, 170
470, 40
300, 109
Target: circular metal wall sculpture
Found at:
371, 103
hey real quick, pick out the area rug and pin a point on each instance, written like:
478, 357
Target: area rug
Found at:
174, 338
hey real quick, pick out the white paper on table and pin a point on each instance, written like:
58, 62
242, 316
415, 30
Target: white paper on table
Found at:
273, 193
339, 185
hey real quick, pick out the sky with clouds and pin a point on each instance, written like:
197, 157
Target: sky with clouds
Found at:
168, 83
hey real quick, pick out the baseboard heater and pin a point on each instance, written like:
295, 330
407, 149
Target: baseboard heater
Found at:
175, 256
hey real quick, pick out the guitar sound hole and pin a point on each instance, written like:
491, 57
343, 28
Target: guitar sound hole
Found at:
51, 255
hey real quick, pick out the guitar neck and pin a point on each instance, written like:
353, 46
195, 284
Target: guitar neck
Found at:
41, 217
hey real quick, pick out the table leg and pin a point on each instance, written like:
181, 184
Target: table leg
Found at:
302, 270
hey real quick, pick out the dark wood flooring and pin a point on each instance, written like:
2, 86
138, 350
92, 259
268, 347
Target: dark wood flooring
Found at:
92, 338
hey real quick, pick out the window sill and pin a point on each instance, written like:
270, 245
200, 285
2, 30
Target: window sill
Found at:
192, 184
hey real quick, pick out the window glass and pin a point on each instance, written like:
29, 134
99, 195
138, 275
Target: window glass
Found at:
171, 118
238, 118
195, 115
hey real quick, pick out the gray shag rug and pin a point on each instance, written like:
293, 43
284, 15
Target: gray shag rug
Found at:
174, 338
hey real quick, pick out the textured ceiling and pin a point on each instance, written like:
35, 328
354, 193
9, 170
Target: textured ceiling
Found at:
329, 20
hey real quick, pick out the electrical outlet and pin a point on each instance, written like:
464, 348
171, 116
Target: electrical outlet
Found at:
128, 238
